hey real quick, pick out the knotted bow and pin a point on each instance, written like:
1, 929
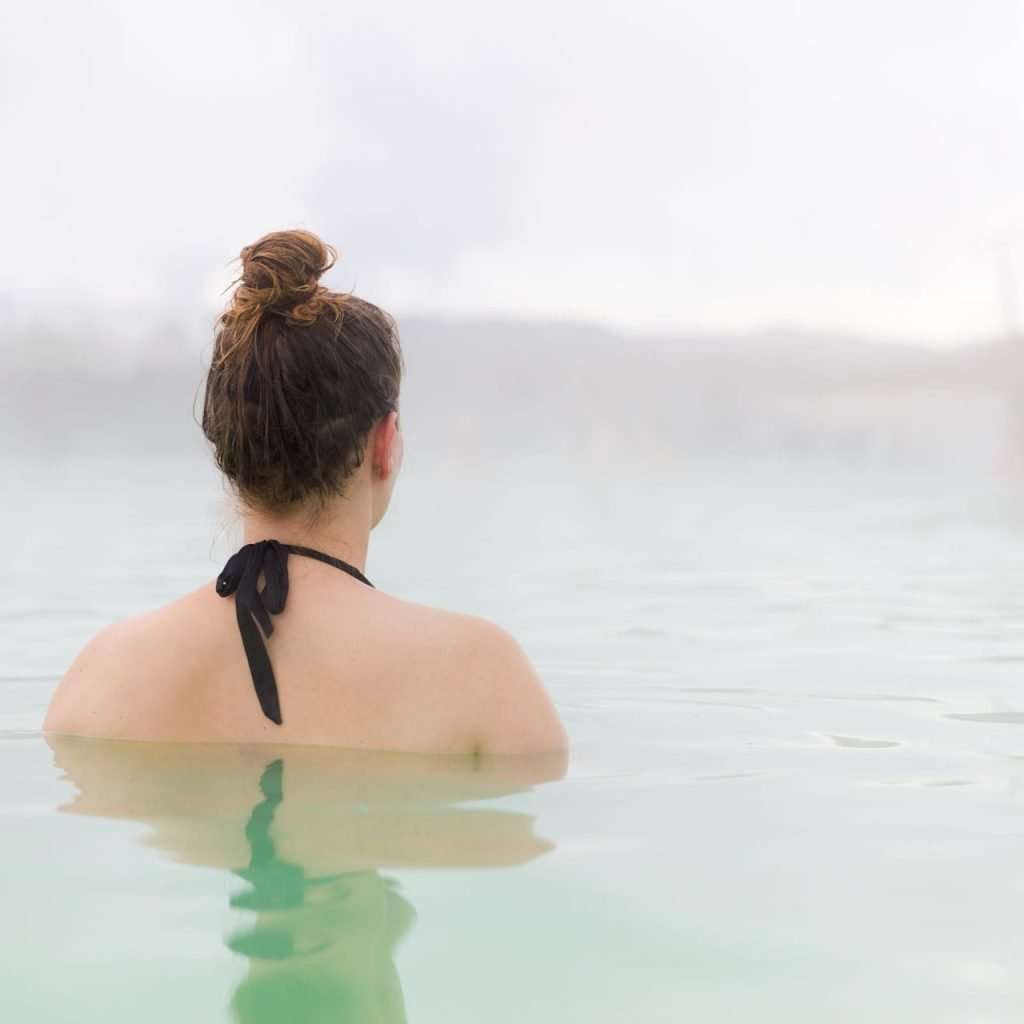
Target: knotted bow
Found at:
269, 559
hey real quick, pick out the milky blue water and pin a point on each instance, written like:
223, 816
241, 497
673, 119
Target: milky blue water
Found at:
794, 690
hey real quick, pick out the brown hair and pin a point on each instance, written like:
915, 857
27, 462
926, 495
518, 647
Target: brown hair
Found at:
299, 375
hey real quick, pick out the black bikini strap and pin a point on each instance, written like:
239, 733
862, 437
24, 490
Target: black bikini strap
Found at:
254, 606
295, 549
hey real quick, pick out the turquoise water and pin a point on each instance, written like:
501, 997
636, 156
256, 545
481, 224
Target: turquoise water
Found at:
794, 693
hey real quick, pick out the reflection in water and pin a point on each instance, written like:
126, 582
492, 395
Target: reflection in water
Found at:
319, 943
308, 830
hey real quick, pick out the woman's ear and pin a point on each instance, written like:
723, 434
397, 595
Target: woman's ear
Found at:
383, 445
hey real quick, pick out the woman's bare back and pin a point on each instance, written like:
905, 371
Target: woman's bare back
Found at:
354, 667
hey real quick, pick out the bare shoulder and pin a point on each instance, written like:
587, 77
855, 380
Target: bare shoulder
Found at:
100, 694
505, 700
72, 707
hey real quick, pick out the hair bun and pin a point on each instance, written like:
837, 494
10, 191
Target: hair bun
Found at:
280, 275
282, 270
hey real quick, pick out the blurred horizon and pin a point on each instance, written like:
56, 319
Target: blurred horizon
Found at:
607, 401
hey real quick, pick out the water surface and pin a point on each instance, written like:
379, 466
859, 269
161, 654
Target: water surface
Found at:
795, 790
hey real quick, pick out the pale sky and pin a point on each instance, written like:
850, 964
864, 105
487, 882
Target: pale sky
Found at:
722, 164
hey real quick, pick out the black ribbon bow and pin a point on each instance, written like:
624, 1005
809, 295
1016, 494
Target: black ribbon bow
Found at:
241, 576
254, 606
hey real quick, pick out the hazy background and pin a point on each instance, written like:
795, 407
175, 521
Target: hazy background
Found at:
713, 399
613, 232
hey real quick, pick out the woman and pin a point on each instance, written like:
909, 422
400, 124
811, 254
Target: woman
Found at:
293, 644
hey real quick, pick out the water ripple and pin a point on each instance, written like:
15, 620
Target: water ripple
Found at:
859, 743
992, 718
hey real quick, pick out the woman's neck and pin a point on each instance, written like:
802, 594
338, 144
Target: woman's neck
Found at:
340, 529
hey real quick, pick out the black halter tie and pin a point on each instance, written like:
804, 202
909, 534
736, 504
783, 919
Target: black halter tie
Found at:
241, 576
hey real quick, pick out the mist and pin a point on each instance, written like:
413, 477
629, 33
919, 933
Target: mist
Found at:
676, 168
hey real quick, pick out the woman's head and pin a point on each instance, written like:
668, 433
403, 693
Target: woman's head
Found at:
303, 382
